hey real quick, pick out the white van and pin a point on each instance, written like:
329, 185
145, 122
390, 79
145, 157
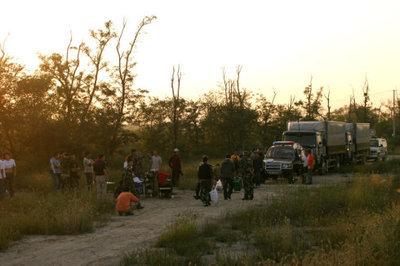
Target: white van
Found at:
378, 149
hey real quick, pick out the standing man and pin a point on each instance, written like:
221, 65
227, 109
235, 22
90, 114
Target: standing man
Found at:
205, 175
11, 171
258, 165
310, 165
247, 173
74, 172
55, 167
2, 178
227, 172
156, 163
65, 170
304, 170
176, 167
101, 176
235, 158
88, 169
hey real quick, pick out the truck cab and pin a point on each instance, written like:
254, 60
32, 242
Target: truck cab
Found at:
378, 149
284, 158
308, 140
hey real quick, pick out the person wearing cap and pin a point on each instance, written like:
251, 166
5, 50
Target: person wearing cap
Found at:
227, 172
175, 163
205, 175
247, 173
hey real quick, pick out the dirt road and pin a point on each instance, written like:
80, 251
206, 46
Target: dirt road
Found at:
107, 244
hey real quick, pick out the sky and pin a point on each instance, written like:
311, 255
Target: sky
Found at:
280, 44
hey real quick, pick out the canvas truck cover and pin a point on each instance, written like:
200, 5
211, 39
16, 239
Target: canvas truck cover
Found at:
360, 133
333, 132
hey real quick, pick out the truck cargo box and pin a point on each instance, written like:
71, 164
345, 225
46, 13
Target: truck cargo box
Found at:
333, 133
361, 135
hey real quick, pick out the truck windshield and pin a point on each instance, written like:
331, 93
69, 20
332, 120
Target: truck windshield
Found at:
374, 143
303, 139
280, 153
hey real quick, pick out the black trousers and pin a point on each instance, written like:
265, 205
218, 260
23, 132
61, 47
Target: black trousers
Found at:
227, 183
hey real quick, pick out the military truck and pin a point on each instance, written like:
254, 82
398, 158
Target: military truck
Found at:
284, 158
325, 139
357, 142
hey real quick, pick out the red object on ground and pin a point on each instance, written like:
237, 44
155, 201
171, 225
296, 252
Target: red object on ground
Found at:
162, 176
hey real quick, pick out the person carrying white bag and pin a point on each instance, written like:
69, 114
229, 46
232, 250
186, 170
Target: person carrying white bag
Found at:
214, 194
205, 175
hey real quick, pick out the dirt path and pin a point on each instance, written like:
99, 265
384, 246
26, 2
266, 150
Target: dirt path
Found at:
107, 245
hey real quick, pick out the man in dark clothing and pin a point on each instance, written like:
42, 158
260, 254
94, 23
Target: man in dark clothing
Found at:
101, 176
227, 172
258, 164
247, 173
205, 176
74, 172
175, 164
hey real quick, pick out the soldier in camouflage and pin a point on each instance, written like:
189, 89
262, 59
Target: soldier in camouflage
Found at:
205, 175
247, 174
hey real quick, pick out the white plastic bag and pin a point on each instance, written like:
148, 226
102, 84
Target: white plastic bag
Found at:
218, 186
214, 195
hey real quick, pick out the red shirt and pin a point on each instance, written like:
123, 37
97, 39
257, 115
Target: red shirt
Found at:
310, 161
175, 162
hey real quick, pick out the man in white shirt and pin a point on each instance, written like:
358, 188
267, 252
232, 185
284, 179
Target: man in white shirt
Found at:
303, 176
2, 178
156, 163
10, 169
88, 169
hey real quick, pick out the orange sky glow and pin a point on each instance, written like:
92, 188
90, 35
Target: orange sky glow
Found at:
279, 43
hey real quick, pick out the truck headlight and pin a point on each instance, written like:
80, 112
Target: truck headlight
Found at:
286, 165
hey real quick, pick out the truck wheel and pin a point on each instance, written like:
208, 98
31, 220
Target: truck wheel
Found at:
338, 163
290, 178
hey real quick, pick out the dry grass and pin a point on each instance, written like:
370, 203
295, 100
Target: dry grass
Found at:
39, 210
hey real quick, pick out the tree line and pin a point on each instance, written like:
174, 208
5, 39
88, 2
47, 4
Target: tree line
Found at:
78, 101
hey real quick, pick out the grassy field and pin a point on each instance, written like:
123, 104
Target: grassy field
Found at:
38, 210
356, 223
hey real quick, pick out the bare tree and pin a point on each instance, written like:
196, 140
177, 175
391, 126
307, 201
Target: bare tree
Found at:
102, 37
175, 104
125, 76
328, 100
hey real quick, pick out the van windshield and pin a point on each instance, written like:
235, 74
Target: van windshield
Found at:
305, 140
374, 143
280, 153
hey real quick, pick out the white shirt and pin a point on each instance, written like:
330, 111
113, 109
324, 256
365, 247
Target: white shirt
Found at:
2, 170
156, 162
305, 160
88, 165
9, 163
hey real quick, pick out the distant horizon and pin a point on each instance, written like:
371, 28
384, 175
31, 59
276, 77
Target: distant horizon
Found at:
279, 45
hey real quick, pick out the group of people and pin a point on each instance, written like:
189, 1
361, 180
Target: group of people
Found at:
8, 171
249, 167
65, 172
132, 178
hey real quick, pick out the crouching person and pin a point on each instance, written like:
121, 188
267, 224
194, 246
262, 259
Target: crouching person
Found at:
124, 200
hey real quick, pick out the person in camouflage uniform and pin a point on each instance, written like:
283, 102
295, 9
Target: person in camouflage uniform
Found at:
205, 175
247, 173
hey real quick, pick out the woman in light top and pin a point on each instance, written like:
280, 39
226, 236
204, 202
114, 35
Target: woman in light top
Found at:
11, 171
